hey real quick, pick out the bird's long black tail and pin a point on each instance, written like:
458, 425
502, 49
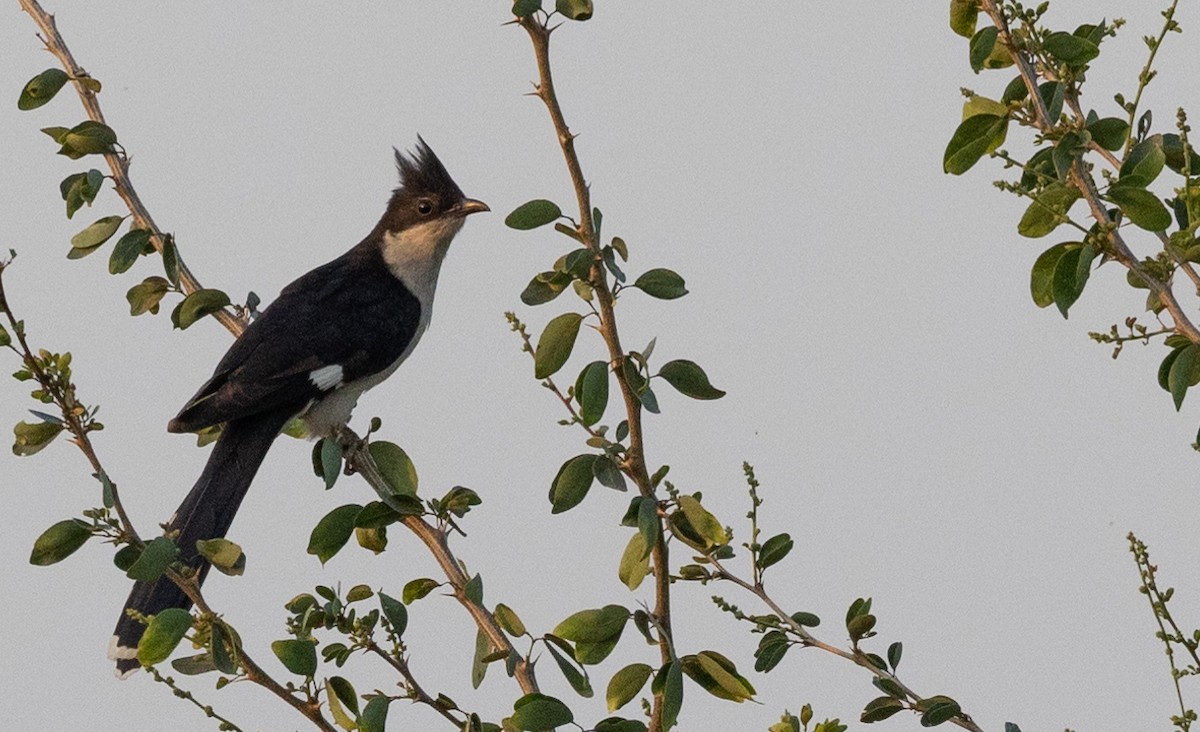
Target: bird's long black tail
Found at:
205, 513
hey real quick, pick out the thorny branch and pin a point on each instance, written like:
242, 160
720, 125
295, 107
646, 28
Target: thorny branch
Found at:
635, 463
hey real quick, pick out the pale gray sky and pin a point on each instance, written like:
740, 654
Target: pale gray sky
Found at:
925, 433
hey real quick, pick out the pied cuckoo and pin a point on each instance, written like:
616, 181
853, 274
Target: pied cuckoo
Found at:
329, 336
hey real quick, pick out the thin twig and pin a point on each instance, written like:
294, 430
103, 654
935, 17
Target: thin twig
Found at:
808, 639
419, 694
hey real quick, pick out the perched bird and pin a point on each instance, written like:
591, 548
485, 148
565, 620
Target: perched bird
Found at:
329, 336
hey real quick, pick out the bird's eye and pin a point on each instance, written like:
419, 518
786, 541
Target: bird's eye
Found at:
424, 207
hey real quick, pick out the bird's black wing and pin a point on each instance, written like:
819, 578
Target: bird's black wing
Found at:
350, 313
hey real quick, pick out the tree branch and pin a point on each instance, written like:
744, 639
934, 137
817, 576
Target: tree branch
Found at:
635, 462
1082, 179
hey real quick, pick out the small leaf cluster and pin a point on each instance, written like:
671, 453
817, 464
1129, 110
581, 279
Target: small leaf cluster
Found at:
78, 189
1071, 145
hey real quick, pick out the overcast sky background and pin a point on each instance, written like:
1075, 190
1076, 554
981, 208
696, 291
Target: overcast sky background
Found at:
927, 435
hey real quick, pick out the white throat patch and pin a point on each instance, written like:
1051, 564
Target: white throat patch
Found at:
415, 257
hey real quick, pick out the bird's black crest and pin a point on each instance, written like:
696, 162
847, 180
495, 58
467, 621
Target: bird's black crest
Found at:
422, 173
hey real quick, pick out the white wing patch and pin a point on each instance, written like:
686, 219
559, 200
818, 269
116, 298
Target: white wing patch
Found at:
326, 377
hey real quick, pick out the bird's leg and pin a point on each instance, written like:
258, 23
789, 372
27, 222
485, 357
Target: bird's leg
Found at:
350, 443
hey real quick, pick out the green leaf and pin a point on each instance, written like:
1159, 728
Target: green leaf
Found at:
145, 298
201, 663
539, 713
608, 474
1144, 163
128, 248
59, 542
1184, 373
374, 714
974, 138
648, 524
479, 664
459, 500
635, 564
223, 651
1071, 273
170, 258
126, 556
1041, 279
1053, 93
774, 549
1048, 210
58, 134
373, 539
30, 438
704, 523
333, 531
41, 89
395, 612
717, 675
1141, 207
575, 10
343, 704
225, 555
86, 138
197, 305
938, 709
626, 684
689, 379
661, 283
893, 653
344, 691
525, 8
572, 483
416, 589
771, 650
593, 626
555, 344
474, 589
880, 709
5, 338
508, 619
162, 635
672, 695
591, 391
98, 232
574, 676
154, 560
1110, 132
963, 16
1070, 49
532, 214
544, 287
982, 45
81, 188
331, 461
396, 467
1179, 156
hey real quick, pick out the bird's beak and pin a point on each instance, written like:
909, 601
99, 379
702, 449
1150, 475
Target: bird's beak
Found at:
470, 206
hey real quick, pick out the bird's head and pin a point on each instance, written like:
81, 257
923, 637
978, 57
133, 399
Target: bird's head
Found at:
422, 217
427, 193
